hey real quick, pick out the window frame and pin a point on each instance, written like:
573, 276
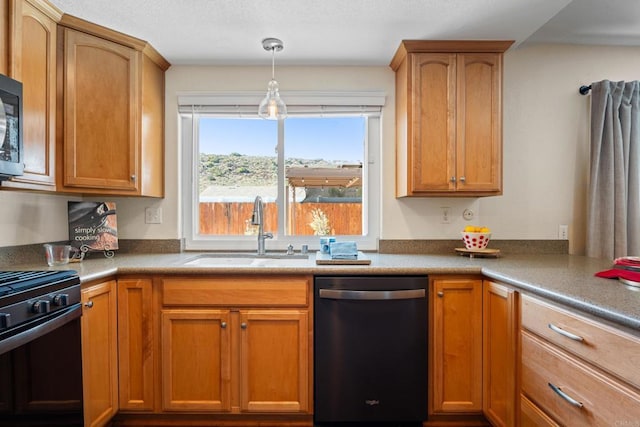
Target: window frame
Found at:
191, 106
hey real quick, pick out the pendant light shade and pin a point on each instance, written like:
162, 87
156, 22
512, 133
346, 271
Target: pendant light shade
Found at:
272, 106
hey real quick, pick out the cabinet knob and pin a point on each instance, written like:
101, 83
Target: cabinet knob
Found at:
440, 294
133, 178
453, 179
223, 325
243, 325
88, 304
463, 179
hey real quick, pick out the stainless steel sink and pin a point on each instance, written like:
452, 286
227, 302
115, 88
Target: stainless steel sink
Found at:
245, 258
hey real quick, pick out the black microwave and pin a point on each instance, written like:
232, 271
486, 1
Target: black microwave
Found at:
11, 148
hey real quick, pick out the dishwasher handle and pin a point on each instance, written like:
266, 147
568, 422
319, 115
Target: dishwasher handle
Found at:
372, 295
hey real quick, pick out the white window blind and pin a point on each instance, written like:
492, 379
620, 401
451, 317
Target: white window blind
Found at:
245, 104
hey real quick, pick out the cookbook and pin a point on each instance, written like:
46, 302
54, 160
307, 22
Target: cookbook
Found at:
93, 225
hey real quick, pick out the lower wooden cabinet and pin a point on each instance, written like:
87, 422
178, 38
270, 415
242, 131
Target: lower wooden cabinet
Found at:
99, 353
137, 344
274, 355
455, 354
572, 392
500, 356
576, 370
196, 360
236, 344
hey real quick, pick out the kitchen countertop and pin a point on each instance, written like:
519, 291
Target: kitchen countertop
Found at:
566, 279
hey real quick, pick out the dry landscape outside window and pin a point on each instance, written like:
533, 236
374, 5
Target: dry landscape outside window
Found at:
321, 176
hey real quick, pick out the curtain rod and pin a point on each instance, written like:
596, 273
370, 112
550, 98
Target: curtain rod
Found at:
584, 90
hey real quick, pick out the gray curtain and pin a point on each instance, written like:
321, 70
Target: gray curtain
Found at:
613, 216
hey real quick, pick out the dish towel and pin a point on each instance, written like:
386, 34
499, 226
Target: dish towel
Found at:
614, 273
625, 267
343, 250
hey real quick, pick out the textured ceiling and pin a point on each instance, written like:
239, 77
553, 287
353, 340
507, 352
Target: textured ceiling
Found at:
350, 32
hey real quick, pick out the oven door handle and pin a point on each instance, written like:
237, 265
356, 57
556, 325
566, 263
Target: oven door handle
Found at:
46, 325
372, 295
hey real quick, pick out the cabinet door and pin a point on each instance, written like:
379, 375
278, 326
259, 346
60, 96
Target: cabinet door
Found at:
137, 346
479, 124
456, 351
33, 48
196, 369
500, 340
101, 112
432, 128
99, 353
274, 361
4, 37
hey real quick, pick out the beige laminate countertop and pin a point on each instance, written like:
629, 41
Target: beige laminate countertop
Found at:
566, 279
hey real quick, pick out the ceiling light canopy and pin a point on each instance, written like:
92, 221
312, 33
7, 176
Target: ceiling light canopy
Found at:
272, 107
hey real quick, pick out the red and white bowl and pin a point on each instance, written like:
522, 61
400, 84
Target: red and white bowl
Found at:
475, 241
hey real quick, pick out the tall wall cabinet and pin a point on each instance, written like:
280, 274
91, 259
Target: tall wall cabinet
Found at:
32, 61
110, 85
449, 118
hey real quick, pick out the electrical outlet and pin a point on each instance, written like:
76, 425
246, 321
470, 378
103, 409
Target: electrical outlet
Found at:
467, 214
446, 215
153, 215
563, 232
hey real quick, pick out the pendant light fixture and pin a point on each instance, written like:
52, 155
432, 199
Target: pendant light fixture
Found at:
272, 107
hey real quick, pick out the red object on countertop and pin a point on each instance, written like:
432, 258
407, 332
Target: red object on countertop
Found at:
624, 267
615, 273
630, 261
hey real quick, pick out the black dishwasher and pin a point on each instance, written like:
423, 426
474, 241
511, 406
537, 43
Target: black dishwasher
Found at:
370, 350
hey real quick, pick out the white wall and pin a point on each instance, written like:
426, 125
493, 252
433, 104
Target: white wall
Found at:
545, 150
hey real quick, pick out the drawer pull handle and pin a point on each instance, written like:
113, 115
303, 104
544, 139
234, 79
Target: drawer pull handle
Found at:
565, 333
565, 396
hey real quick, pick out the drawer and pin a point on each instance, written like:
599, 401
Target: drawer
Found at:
614, 351
271, 291
604, 401
532, 416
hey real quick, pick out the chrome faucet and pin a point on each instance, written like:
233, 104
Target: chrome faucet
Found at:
258, 219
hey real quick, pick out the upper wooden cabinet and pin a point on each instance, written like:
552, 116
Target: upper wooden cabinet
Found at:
449, 118
4, 37
112, 109
33, 62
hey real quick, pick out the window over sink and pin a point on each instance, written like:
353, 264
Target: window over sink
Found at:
316, 171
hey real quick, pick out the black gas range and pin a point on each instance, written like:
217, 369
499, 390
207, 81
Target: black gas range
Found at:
29, 299
40, 314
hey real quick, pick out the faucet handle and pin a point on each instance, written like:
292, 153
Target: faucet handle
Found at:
268, 235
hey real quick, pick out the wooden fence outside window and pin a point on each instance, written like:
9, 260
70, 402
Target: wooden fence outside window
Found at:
234, 218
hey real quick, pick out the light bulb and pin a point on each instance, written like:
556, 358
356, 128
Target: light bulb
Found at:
272, 107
